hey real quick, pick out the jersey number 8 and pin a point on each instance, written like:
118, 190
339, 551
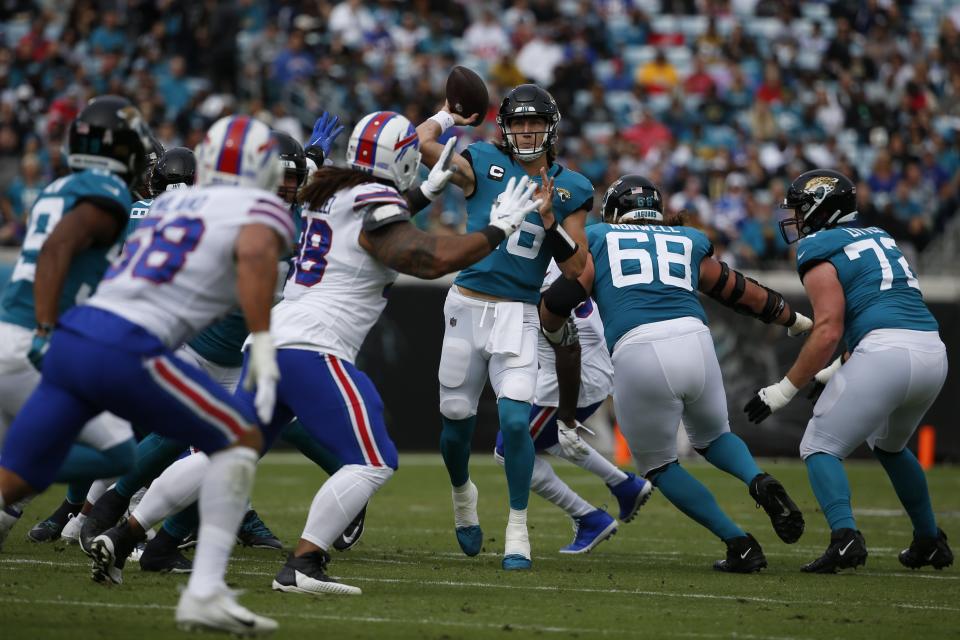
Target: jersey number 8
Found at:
165, 254
642, 263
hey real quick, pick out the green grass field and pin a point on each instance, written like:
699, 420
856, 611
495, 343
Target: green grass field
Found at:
653, 579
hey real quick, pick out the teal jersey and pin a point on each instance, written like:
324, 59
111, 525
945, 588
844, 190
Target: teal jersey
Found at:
644, 274
87, 268
516, 268
138, 211
880, 289
219, 343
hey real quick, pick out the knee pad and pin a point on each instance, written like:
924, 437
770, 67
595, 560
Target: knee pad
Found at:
374, 476
456, 408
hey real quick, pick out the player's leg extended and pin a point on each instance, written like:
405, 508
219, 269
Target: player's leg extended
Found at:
889, 444
705, 419
513, 377
649, 411
154, 454
462, 375
340, 408
630, 491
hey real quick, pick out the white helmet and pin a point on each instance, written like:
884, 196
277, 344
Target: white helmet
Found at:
385, 144
239, 151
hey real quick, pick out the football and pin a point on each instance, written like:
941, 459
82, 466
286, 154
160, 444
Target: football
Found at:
467, 93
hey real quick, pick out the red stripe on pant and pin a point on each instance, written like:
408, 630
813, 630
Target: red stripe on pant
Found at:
356, 411
232, 425
541, 420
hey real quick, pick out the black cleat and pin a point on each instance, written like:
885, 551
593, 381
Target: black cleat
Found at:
255, 533
847, 550
351, 535
308, 574
189, 542
162, 555
744, 555
927, 551
109, 551
49, 530
784, 514
106, 513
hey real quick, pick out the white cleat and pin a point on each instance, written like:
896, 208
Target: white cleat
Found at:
220, 612
71, 530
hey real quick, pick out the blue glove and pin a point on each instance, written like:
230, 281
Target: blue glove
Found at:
38, 349
325, 131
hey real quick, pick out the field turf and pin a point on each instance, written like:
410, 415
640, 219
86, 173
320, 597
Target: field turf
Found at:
653, 579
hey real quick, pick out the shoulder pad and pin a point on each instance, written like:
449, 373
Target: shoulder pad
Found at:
380, 215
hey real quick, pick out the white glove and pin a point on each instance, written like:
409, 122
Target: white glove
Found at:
441, 172
823, 376
801, 326
570, 441
514, 205
262, 373
770, 399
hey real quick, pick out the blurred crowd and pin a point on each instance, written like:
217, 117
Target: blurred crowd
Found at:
719, 101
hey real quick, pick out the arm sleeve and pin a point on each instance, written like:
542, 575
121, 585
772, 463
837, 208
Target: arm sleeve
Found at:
380, 215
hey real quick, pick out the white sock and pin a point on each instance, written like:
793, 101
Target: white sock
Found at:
339, 501
517, 540
98, 488
223, 495
465, 505
177, 488
595, 464
548, 485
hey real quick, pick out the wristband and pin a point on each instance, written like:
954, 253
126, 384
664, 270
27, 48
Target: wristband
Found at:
444, 119
494, 235
562, 246
418, 200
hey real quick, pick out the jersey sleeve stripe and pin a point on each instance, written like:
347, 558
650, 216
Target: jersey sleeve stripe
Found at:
400, 202
286, 224
377, 194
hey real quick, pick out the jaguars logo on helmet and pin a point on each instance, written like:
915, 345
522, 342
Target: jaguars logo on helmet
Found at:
820, 199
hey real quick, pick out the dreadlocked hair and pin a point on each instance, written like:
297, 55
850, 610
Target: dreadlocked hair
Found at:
326, 181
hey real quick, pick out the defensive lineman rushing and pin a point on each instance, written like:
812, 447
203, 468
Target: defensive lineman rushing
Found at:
491, 325
356, 236
201, 252
863, 291
645, 284
587, 353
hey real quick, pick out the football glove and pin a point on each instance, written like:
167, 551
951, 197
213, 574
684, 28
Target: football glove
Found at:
38, 349
770, 399
262, 374
508, 213
800, 327
570, 441
325, 132
822, 377
441, 172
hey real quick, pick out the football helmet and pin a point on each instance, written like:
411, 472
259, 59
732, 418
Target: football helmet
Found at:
632, 199
529, 100
109, 134
293, 160
176, 169
141, 187
386, 145
239, 151
820, 199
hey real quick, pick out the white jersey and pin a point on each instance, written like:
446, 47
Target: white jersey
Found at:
596, 377
177, 274
337, 290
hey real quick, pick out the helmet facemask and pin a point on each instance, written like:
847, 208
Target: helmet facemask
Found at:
526, 139
813, 209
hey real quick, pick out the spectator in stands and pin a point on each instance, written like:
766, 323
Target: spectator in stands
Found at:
19, 198
351, 20
486, 38
658, 75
